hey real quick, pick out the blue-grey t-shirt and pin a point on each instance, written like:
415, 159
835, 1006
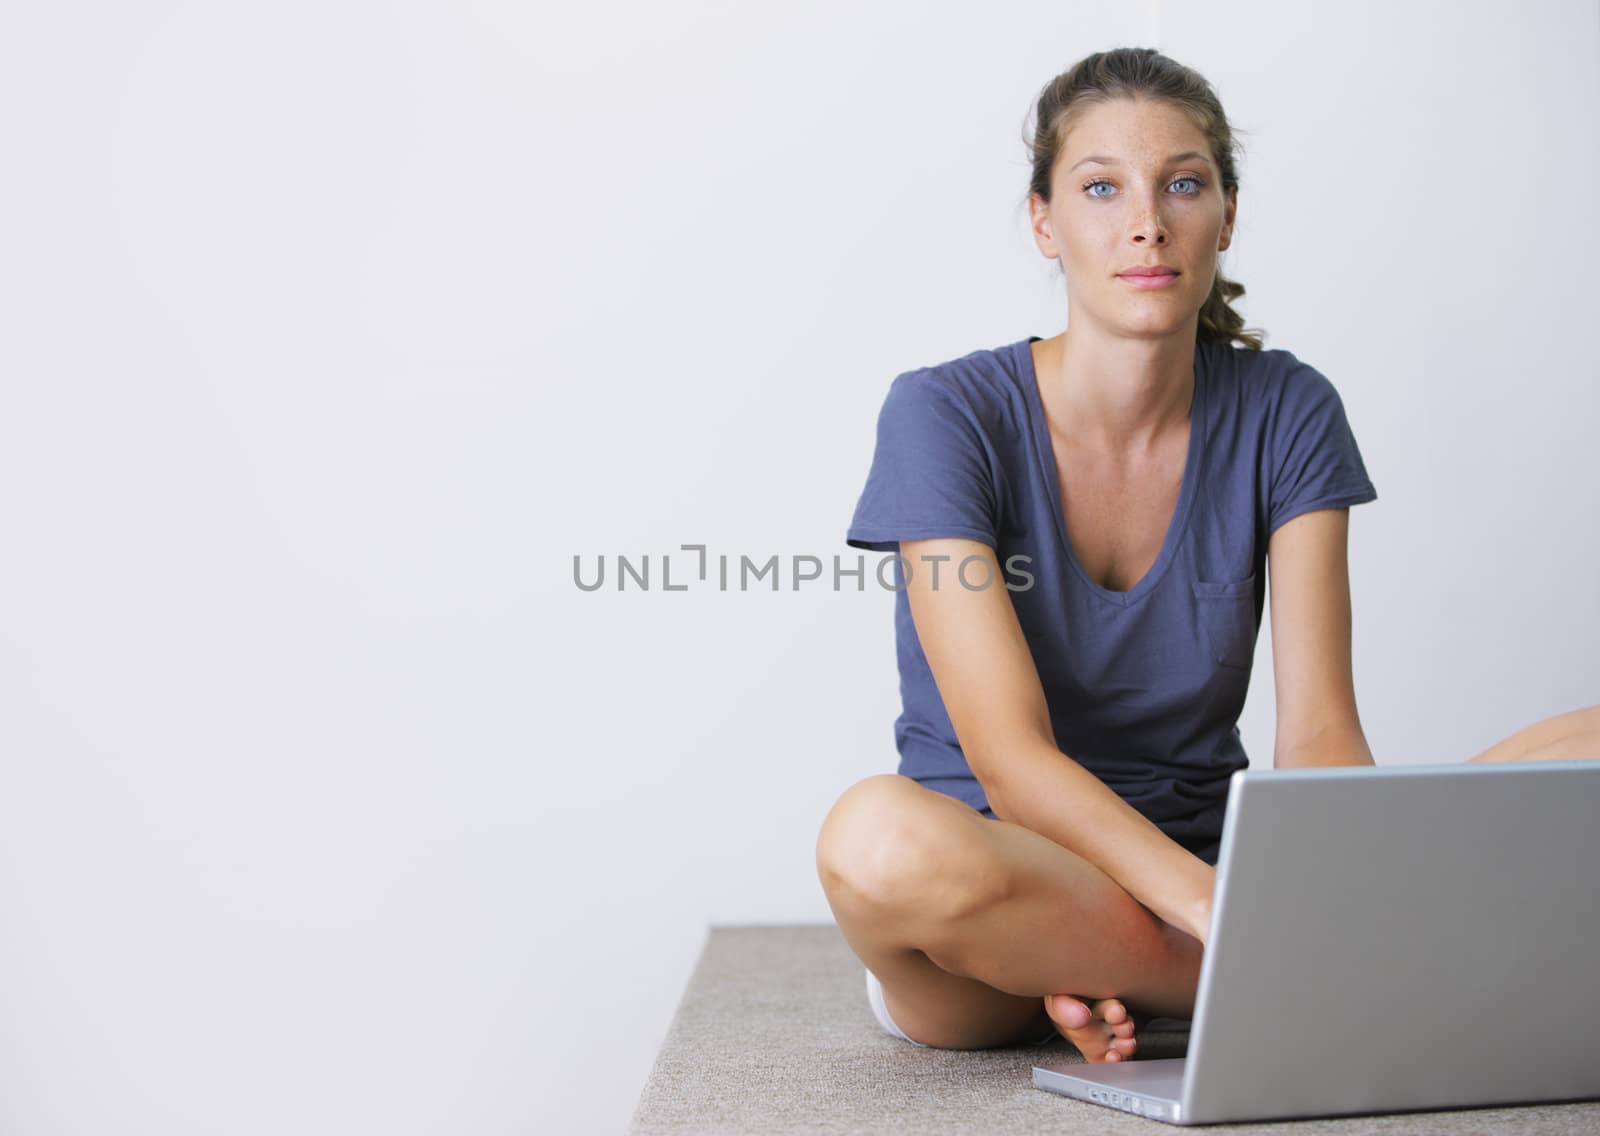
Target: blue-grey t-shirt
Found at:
1145, 686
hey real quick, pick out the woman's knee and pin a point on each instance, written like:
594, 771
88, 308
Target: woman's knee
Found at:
889, 842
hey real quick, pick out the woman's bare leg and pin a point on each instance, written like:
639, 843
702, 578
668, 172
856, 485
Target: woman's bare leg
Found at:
969, 922
1575, 734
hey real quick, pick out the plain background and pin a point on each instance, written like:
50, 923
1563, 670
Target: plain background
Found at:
333, 332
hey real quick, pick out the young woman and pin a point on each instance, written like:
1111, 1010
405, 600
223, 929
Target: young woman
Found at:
1084, 524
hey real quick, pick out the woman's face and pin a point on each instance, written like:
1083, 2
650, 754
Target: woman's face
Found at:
1142, 203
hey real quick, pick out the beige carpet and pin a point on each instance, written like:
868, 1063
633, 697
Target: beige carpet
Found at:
774, 1035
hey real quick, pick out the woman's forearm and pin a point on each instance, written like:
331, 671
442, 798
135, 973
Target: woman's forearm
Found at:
1339, 745
1046, 791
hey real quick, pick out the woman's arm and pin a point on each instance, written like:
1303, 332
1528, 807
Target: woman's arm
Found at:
1037, 786
1309, 574
990, 687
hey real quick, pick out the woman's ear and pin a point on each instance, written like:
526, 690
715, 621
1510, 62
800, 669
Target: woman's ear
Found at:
1039, 217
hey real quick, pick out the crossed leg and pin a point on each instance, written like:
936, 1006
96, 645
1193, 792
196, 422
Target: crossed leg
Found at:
949, 909
969, 922
1575, 734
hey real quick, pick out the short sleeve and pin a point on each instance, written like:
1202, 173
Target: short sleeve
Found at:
931, 473
1316, 463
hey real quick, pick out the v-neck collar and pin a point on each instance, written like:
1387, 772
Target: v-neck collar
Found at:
1045, 448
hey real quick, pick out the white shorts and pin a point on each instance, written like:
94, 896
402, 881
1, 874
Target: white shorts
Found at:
881, 1012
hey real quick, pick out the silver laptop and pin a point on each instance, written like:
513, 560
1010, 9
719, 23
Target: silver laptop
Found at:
1387, 939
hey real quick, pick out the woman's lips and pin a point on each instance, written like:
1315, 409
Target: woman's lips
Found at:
1161, 281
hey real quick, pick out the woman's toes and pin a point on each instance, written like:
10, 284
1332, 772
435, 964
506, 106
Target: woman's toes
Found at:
1068, 1011
1113, 1011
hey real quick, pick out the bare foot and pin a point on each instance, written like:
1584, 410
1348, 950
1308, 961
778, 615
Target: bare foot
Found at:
1102, 1030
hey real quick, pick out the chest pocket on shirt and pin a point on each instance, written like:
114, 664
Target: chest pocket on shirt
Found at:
1227, 618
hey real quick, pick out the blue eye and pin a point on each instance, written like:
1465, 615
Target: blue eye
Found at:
1187, 193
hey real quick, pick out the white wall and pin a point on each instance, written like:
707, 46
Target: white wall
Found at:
334, 331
